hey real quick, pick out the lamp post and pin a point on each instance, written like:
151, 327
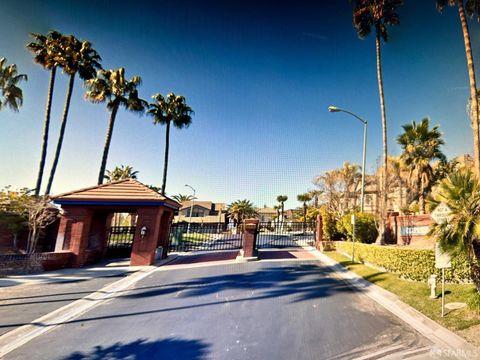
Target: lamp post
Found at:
362, 196
191, 208
364, 122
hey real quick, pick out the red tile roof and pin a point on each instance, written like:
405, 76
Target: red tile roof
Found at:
127, 190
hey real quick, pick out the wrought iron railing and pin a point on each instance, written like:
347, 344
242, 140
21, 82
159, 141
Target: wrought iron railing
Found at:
285, 234
211, 236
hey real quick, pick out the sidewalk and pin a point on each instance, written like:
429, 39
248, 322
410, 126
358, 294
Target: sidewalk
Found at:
24, 298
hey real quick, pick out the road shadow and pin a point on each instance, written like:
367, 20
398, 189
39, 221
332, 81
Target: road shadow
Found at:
300, 282
171, 348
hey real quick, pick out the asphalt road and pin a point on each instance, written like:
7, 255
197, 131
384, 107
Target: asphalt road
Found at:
21, 304
258, 310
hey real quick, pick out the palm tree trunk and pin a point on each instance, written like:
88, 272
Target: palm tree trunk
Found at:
473, 87
165, 163
304, 217
383, 212
108, 139
62, 133
46, 128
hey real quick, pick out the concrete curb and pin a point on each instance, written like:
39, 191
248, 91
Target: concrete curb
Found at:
23, 334
441, 337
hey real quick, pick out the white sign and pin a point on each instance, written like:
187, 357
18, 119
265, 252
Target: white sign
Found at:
414, 230
441, 214
353, 219
442, 259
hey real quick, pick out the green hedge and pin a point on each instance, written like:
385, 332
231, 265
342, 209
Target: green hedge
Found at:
409, 263
365, 227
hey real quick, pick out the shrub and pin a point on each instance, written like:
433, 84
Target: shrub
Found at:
329, 221
473, 302
365, 227
409, 263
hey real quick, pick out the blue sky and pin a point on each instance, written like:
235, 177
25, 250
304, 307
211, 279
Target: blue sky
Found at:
259, 75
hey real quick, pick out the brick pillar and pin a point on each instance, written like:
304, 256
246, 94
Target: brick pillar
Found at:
143, 249
319, 233
249, 248
164, 237
73, 232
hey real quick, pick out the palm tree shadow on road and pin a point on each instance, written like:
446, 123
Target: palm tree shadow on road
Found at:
170, 348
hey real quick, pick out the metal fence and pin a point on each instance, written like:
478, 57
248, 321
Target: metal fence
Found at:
286, 234
212, 236
120, 241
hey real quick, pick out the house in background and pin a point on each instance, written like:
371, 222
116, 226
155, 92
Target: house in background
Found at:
266, 214
203, 212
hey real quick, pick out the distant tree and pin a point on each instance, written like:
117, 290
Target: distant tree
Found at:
337, 187
182, 198
304, 199
421, 146
460, 191
77, 57
378, 14
173, 109
112, 87
40, 214
240, 210
121, 172
470, 8
25, 209
277, 208
11, 94
13, 213
281, 199
315, 195
47, 53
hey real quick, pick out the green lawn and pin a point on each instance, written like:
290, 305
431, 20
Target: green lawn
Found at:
196, 237
416, 294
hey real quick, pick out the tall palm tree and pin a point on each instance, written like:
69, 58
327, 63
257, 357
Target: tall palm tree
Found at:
378, 14
121, 172
460, 191
11, 94
112, 87
421, 146
304, 198
182, 198
173, 109
240, 210
47, 53
281, 199
78, 57
470, 8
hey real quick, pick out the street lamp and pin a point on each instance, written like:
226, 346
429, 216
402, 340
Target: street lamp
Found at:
191, 208
336, 109
364, 122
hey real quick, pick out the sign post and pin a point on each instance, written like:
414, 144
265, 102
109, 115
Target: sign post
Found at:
441, 214
353, 238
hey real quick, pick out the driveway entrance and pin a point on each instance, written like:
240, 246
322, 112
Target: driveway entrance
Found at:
285, 235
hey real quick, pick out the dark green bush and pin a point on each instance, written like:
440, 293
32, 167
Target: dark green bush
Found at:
365, 227
409, 263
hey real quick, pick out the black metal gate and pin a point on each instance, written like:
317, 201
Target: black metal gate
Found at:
120, 241
211, 236
285, 235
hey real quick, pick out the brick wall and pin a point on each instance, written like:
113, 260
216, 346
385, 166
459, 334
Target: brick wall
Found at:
412, 230
15, 264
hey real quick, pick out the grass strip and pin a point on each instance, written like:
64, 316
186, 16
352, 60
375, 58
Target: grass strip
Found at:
417, 294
